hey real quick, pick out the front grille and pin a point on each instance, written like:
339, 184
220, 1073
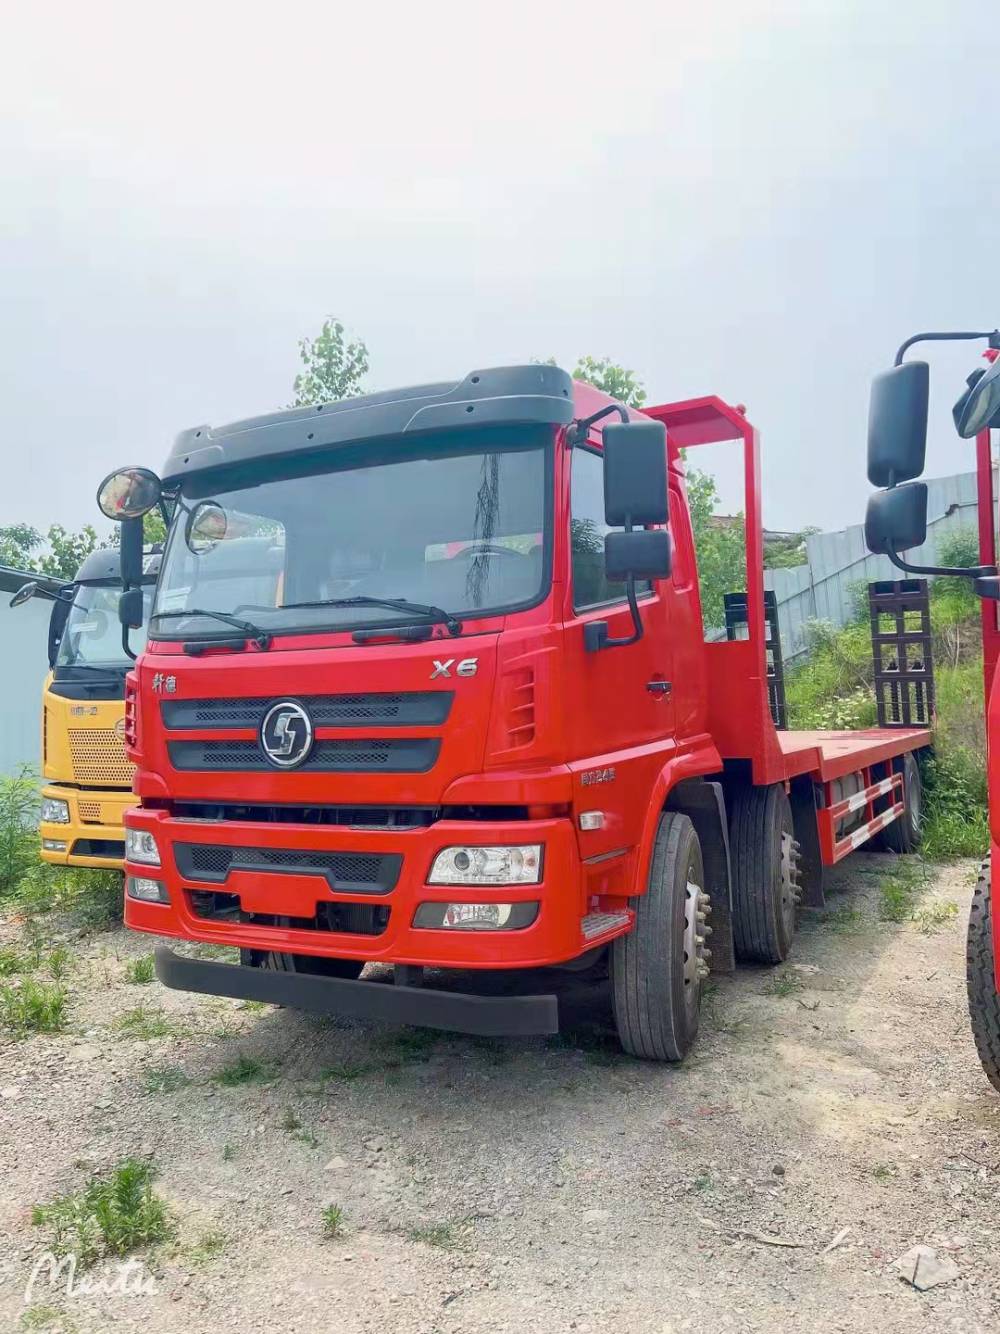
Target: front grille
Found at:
350, 817
98, 756
346, 872
426, 708
403, 755
357, 919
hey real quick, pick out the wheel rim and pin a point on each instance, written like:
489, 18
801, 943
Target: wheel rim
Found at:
697, 907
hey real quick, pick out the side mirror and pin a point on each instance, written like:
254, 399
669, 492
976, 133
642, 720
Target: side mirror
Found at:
130, 608
897, 424
24, 594
635, 473
642, 554
897, 519
979, 408
128, 493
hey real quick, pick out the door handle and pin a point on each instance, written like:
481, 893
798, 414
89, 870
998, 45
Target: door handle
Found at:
660, 688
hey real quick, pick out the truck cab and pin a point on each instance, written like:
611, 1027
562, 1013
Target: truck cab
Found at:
88, 777
427, 686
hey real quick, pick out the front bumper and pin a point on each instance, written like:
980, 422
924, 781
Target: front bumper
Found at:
555, 936
457, 1012
95, 833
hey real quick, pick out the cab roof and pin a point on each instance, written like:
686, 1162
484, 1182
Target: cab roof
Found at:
496, 396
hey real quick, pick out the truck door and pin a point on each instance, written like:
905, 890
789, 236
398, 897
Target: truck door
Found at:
620, 711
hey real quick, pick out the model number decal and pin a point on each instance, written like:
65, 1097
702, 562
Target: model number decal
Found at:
467, 667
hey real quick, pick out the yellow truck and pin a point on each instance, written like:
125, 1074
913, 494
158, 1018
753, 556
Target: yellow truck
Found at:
88, 780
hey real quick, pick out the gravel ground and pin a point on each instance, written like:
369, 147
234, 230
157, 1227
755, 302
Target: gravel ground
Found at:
524, 1184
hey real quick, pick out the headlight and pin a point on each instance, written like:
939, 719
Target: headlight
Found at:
521, 865
55, 811
140, 846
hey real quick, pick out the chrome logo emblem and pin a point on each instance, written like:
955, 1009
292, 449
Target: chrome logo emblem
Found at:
286, 734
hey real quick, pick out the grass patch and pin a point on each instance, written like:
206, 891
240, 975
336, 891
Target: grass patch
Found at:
935, 916
785, 983
901, 889
332, 1219
140, 972
144, 1022
113, 1216
244, 1070
32, 1007
208, 1247
165, 1079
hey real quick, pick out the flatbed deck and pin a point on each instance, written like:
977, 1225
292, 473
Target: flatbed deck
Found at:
831, 755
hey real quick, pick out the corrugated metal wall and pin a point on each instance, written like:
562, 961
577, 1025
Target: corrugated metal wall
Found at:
24, 633
823, 589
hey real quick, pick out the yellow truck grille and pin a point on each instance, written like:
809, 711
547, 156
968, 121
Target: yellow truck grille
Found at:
98, 756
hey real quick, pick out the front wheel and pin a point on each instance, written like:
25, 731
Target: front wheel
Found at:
657, 970
980, 976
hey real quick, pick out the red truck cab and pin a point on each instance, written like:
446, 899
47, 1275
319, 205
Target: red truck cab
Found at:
426, 685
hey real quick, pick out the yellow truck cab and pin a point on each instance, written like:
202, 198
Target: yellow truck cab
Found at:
88, 780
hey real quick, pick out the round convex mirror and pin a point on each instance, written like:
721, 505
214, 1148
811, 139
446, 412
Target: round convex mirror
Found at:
128, 493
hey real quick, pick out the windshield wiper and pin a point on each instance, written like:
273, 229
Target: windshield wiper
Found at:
424, 609
253, 632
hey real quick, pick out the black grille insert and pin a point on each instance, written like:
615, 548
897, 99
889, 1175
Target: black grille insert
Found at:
422, 708
402, 755
346, 872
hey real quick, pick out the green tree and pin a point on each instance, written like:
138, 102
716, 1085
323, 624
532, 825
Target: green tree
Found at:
334, 367
611, 379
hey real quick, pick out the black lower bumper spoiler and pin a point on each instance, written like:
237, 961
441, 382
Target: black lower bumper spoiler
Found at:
456, 1012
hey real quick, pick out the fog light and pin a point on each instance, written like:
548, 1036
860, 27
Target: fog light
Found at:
53, 845
55, 810
475, 916
140, 846
469, 865
147, 891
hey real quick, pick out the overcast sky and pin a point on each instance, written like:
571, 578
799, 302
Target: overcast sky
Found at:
754, 199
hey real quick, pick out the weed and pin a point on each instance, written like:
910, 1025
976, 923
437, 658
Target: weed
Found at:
244, 1070
208, 1247
333, 1221
785, 983
165, 1079
32, 1007
935, 916
140, 971
901, 889
113, 1215
144, 1023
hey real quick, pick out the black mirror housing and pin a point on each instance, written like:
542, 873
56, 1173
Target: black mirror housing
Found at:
642, 554
635, 473
897, 424
130, 608
897, 519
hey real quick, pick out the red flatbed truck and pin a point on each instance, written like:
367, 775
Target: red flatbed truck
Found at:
896, 522
426, 685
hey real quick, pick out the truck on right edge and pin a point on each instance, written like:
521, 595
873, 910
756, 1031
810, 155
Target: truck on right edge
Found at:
896, 522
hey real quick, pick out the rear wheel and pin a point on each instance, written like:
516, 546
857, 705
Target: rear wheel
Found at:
765, 870
657, 970
984, 1003
903, 835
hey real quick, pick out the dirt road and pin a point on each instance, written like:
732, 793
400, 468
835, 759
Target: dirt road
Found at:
530, 1185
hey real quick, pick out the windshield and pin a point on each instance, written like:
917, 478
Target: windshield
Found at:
457, 524
92, 636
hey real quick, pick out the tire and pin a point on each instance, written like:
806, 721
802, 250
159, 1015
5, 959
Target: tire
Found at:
984, 1003
904, 834
657, 970
764, 856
